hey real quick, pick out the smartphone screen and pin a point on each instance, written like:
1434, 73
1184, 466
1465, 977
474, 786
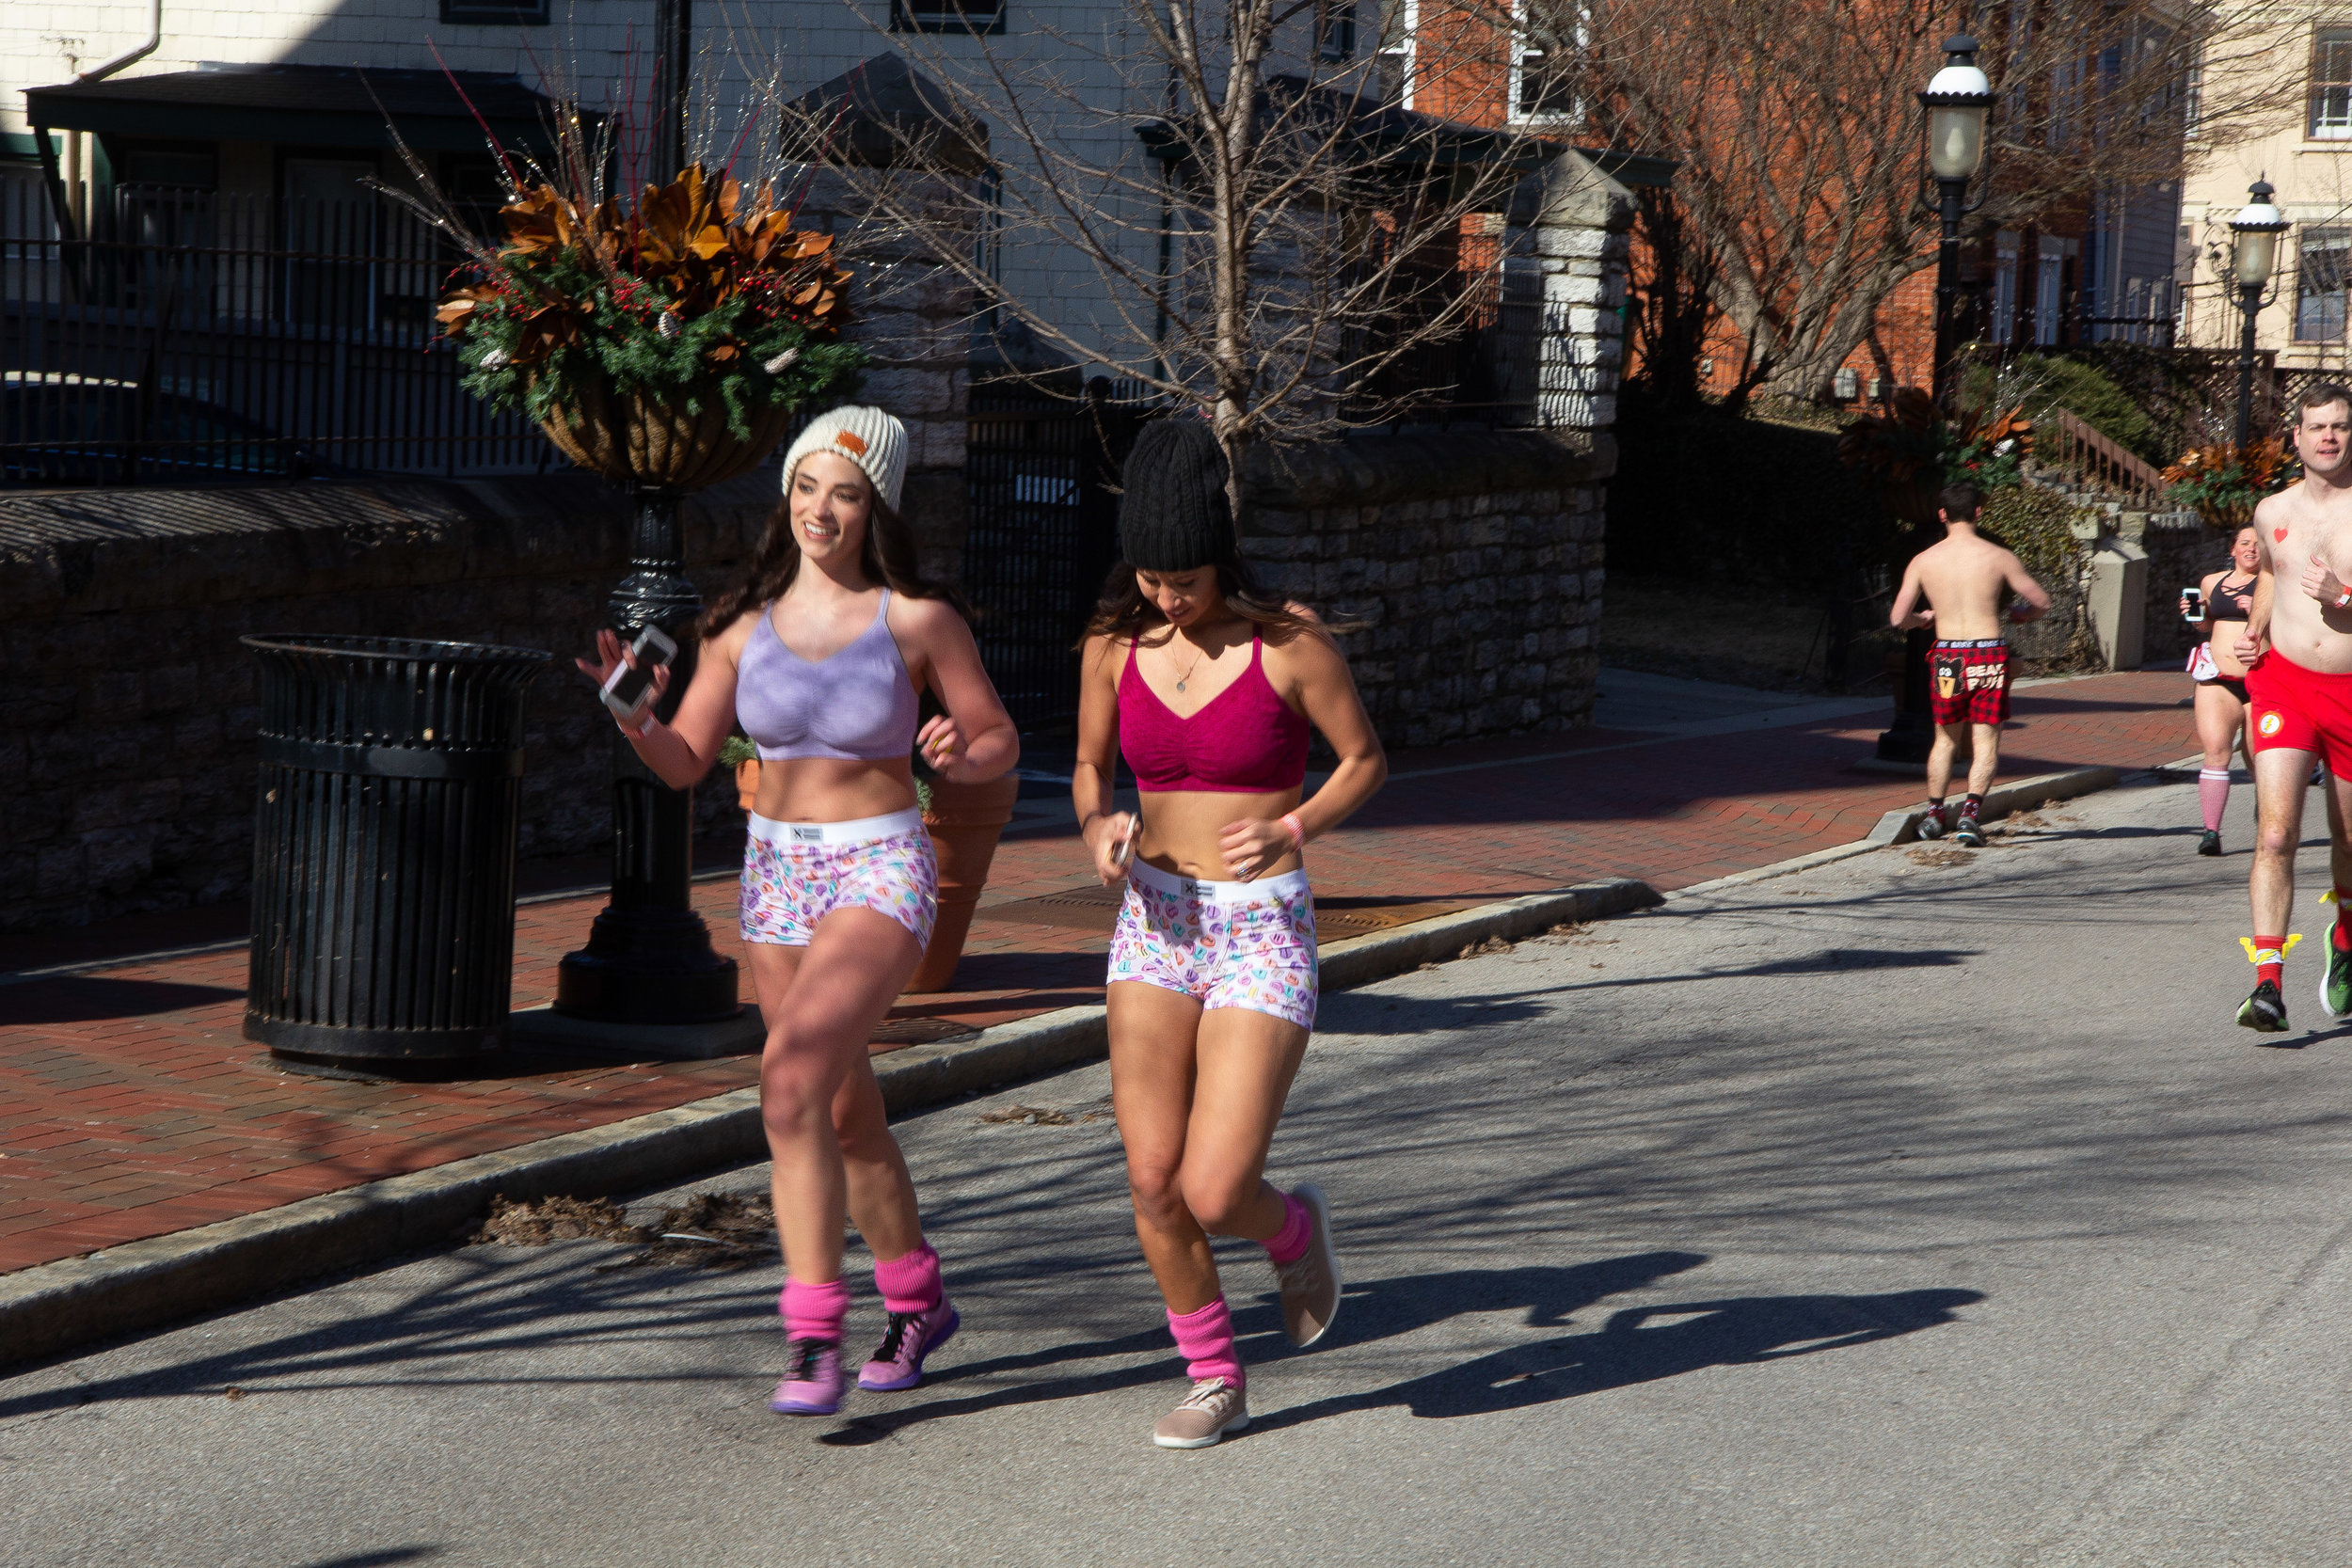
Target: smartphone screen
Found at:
628, 690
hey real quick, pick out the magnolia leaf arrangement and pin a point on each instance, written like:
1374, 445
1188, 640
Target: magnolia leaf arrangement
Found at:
2222, 482
694, 295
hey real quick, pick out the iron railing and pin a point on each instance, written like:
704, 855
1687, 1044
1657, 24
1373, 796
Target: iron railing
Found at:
1040, 472
196, 337
1485, 371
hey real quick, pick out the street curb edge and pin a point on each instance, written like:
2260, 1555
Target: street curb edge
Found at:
145, 1284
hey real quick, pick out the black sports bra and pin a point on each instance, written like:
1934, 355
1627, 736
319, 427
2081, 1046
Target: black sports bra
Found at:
2223, 597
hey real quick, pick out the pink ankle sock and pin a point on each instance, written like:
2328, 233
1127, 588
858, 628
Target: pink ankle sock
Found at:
1205, 1340
1288, 1244
2213, 793
909, 1284
814, 1311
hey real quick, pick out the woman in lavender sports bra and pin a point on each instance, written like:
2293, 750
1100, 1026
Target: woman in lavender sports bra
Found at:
1208, 687
821, 654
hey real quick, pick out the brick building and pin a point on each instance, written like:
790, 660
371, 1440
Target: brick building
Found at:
2108, 267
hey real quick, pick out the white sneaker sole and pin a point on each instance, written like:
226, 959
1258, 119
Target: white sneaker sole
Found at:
1311, 1194
1237, 1424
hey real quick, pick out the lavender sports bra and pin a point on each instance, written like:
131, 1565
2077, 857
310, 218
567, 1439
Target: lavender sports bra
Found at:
854, 705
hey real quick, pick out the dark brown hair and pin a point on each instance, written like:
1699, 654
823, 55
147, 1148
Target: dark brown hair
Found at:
887, 555
1126, 613
2319, 395
1962, 501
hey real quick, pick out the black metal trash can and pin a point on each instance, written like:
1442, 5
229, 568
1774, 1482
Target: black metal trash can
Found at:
384, 844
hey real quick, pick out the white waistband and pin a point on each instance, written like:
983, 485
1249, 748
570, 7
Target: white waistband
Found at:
1265, 890
863, 830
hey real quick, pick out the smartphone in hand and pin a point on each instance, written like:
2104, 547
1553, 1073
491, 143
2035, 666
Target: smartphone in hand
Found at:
2195, 599
630, 689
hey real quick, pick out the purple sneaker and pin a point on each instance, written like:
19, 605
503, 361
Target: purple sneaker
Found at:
912, 1335
814, 1385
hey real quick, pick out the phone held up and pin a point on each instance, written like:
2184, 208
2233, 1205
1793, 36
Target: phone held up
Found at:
2195, 600
629, 689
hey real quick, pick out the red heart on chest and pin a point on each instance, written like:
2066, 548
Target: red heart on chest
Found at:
2278, 536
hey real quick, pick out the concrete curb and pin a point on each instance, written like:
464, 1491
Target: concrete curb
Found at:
57, 1306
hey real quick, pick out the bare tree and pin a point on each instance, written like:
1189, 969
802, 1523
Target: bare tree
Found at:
1801, 147
1205, 197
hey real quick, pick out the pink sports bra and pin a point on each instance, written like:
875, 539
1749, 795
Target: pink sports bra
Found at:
1245, 740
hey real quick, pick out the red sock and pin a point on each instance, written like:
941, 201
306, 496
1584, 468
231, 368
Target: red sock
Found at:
2342, 935
2274, 968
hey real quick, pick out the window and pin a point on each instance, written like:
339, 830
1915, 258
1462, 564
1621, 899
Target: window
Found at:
1335, 29
2004, 323
2319, 278
2331, 117
946, 16
1396, 50
1541, 87
2049, 293
505, 13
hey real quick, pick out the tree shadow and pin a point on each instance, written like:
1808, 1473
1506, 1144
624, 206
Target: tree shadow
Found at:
1739, 1331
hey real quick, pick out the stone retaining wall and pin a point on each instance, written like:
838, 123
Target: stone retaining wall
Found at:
1471, 562
127, 722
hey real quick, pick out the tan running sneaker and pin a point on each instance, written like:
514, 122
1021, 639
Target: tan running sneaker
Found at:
1213, 1408
1310, 1281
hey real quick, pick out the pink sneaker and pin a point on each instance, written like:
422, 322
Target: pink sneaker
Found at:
897, 1361
815, 1385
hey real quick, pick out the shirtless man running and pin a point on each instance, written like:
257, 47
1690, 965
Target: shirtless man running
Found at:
2297, 648
1968, 667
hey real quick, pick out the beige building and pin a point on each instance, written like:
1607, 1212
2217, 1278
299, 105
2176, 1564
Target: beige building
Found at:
2308, 160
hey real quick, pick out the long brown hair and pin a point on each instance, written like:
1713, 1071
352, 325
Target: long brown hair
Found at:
887, 555
1126, 613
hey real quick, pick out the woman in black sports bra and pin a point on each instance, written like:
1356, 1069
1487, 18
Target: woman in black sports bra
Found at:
2229, 602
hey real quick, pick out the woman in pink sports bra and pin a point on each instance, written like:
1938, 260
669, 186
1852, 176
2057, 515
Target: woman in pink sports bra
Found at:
1208, 687
821, 654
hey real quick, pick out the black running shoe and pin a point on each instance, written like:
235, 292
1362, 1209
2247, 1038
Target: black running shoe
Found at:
2211, 843
2265, 1010
1968, 834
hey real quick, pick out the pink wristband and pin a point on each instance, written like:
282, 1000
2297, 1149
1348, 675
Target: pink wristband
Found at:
1297, 830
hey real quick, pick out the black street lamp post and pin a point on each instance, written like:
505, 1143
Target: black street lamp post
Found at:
1957, 101
2253, 256
649, 959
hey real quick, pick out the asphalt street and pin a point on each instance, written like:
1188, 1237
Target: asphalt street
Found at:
1923, 1209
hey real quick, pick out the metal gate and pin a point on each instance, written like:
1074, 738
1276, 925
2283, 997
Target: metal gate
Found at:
1044, 533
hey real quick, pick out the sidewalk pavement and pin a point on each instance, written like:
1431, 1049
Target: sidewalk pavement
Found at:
132, 1106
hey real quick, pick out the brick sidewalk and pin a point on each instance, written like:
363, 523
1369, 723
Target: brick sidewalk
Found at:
132, 1106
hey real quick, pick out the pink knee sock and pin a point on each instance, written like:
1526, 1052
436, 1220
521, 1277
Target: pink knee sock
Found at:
1205, 1340
1288, 1244
909, 1284
814, 1311
2213, 793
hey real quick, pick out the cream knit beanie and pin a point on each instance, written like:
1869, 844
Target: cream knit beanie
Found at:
873, 440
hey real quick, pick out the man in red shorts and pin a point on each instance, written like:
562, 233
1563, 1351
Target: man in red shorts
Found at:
2297, 647
1963, 578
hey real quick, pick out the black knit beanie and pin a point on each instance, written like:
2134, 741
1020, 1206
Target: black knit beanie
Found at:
1174, 515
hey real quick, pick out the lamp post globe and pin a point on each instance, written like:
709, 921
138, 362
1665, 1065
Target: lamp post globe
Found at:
2253, 258
1958, 102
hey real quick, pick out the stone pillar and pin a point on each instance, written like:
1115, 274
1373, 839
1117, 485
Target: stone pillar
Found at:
1575, 221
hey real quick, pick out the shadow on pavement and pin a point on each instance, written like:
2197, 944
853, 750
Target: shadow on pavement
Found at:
78, 999
1377, 1311
1740, 1331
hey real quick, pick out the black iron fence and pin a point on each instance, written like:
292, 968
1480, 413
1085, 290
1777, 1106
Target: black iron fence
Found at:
1481, 367
1045, 531
200, 337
